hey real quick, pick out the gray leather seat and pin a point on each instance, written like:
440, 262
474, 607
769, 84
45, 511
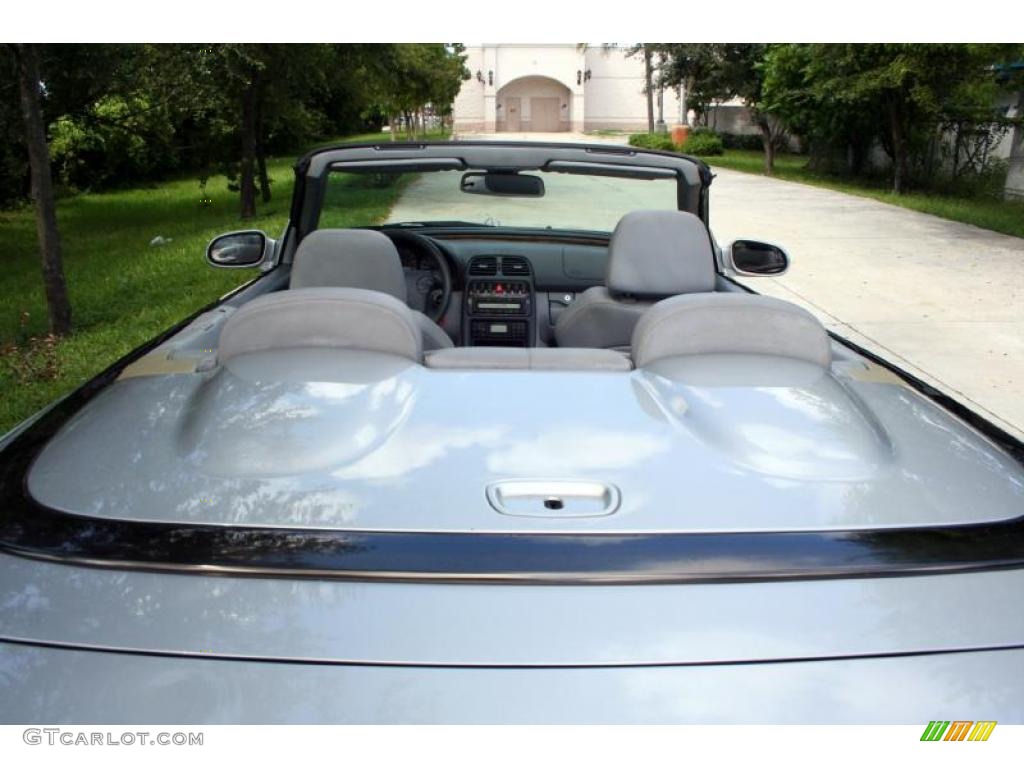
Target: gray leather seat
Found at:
326, 318
359, 258
652, 255
730, 323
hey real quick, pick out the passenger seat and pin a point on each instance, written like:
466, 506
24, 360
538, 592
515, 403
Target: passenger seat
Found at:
652, 255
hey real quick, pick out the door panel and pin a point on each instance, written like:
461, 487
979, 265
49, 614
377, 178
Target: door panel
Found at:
544, 113
513, 113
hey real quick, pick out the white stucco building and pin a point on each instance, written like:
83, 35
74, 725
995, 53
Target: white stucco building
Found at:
556, 87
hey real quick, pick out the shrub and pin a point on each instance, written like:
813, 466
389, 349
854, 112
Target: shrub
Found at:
703, 142
653, 141
742, 141
119, 139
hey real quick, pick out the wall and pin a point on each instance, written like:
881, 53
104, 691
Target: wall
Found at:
614, 93
524, 88
612, 97
468, 108
475, 107
731, 117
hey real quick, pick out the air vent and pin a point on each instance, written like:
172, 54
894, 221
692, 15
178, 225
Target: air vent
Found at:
484, 266
515, 266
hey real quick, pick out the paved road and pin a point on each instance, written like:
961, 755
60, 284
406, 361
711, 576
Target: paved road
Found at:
942, 300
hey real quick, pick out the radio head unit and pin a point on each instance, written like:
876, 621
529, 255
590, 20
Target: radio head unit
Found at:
499, 313
499, 297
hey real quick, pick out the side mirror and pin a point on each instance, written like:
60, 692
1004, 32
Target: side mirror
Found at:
502, 184
755, 259
239, 249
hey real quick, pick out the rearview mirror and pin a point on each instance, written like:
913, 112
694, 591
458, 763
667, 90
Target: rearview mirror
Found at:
755, 259
238, 249
503, 184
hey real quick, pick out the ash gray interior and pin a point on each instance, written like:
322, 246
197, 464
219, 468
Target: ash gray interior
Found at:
358, 258
652, 255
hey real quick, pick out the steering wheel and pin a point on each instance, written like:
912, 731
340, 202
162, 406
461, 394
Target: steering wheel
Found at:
430, 294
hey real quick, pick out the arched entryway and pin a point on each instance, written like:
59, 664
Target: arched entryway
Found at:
534, 104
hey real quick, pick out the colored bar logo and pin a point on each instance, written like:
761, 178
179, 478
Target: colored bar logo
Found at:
958, 730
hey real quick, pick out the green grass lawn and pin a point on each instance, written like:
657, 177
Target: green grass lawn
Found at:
988, 213
124, 291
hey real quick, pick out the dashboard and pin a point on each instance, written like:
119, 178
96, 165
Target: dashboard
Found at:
508, 289
424, 281
412, 259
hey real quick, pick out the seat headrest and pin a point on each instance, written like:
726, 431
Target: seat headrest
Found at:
348, 258
660, 253
723, 323
337, 318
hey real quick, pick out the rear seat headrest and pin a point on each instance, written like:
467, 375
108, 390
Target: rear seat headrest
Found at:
339, 318
660, 253
714, 323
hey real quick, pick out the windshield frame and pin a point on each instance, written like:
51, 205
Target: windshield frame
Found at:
693, 176
591, 202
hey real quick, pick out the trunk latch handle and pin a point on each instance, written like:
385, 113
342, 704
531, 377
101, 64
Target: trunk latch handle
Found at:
553, 498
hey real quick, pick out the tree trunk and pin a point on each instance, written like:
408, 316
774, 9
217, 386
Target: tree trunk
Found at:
858, 150
899, 150
957, 139
768, 143
661, 95
649, 87
249, 142
261, 156
57, 302
261, 172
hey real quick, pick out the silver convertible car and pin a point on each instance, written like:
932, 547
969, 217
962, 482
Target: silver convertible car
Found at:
527, 451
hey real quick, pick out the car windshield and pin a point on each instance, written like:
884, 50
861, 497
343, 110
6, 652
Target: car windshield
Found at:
569, 202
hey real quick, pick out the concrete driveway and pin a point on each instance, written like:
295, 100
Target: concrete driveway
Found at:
562, 136
944, 301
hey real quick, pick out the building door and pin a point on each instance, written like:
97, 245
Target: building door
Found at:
513, 114
544, 114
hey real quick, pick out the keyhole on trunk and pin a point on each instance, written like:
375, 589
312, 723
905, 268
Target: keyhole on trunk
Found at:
553, 502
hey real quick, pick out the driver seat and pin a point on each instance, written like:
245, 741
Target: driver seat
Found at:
359, 258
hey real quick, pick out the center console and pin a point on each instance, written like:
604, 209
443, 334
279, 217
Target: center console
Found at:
499, 302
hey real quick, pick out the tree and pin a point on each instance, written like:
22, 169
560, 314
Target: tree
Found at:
411, 77
260, 89
649, 86
720, 71
829, 128
122, 113
646, 51
30, 87
909, 88
693, 67
743, 75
